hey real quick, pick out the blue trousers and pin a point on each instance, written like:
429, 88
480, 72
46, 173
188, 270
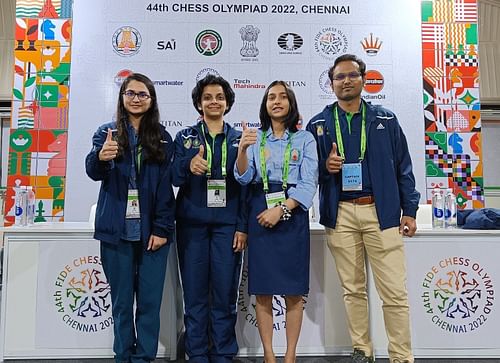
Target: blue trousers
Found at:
134, 273
210, 272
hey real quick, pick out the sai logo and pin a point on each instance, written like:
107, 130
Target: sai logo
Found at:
82, 295
208, 42
458, 295
126, 41
329, 42
246, 305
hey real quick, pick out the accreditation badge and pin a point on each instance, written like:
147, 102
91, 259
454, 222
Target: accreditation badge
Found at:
133, 210
274, 199
216, 193
351, 177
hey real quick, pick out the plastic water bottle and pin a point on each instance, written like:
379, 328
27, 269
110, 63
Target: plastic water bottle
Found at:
30, 205
20, 201
437, 209
450, 209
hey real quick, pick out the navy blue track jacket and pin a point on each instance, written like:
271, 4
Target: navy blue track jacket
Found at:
391, 175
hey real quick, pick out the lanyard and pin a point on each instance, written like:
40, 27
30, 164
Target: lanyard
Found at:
139, 158
338, 133
286, 161
209, 154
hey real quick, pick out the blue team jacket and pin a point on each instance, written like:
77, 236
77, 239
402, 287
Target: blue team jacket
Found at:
391, 175
192, 195
156, 197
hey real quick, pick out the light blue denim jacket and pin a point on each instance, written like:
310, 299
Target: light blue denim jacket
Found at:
303, 174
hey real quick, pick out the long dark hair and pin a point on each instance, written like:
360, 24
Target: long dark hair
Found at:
291, 120
210, 79
149, 129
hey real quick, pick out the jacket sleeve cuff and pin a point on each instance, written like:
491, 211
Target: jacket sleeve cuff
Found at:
242, 227
410, 212
301, 197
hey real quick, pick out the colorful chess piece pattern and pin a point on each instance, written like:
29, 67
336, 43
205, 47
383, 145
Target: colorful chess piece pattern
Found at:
451, 99
40, 104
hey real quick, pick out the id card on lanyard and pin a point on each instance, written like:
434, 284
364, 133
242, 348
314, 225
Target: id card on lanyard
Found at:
216, 188
133, 209
276, 198
352, 178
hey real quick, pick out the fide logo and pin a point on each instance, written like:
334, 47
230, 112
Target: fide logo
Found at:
246, 305
458, 295
82, 295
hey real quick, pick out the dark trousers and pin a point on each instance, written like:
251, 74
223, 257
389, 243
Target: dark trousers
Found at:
210, 272
133, 272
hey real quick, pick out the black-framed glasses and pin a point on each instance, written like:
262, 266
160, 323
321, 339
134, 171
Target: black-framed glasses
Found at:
350, 75
142, 96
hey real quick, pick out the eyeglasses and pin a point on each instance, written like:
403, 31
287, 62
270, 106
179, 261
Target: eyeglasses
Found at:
142, 96
342, 76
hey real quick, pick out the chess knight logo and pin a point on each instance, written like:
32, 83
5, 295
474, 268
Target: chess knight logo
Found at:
249, 35
290, 42
371, 46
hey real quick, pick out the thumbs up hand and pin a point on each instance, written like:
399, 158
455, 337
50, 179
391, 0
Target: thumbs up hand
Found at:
334, 161
109, 149
248, 137
198, 164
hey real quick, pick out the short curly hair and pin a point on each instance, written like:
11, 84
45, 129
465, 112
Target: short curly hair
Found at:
210, 79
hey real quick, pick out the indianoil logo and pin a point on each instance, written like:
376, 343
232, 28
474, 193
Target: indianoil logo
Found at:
374, 81
246, 305
82, 295
458, 295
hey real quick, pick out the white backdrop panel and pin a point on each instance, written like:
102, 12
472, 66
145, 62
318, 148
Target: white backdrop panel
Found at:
297, 46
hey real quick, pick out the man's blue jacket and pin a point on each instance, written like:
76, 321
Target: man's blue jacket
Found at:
391, 174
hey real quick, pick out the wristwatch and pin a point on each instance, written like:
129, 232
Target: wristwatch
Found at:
287, 213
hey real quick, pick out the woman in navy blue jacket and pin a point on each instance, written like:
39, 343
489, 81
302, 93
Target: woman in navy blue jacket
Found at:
211, 224
134, 216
